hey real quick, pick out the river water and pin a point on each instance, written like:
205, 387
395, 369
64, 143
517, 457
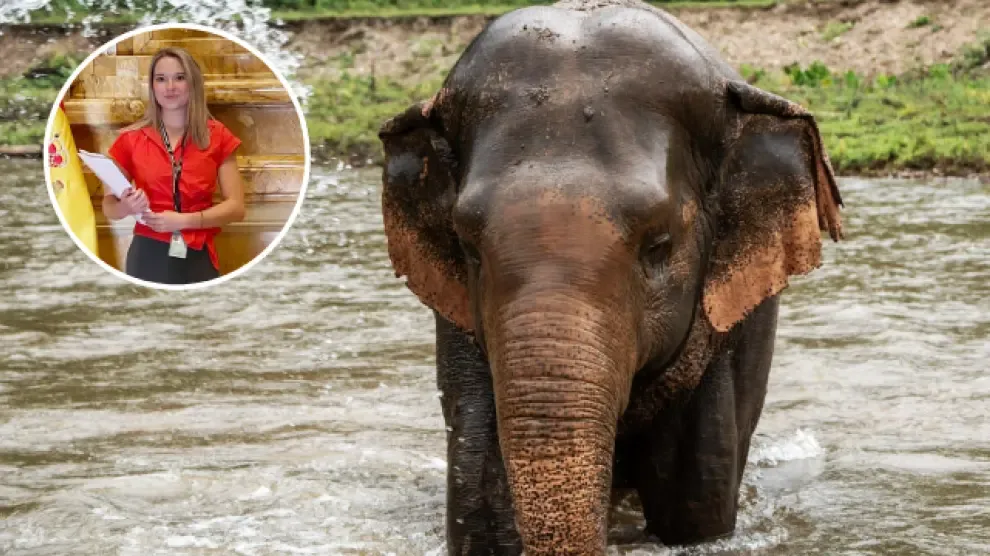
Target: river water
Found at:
293, 410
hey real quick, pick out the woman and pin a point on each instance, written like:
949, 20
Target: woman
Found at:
176, 147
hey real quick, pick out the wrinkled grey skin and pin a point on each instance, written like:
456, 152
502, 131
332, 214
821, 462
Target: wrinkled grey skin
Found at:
602, 215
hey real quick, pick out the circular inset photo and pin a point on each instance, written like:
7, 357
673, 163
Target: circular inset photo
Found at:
176, 156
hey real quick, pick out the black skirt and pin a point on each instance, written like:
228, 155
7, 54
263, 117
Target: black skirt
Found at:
147, 259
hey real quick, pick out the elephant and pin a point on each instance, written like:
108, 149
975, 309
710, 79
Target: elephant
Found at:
602, 215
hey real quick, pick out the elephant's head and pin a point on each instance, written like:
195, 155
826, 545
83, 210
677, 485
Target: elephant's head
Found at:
582, 193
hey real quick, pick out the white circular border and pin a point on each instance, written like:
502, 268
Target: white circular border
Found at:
285, 228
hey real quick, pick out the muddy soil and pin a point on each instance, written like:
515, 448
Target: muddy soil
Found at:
23, 47
882, 36
868, 36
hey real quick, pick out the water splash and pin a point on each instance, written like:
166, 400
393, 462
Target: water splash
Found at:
802, 445
19, 11
248, 20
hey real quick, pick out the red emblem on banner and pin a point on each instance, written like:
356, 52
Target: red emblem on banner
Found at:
56, 153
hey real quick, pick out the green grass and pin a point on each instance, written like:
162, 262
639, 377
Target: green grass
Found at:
26, 101
468, 9
369, 9
343, 116
835, 29
923, 122
928, 121
58, 17
21, 103
479, 9
974, 56
22, 133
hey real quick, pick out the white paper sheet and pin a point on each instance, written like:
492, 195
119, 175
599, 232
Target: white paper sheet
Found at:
111, 176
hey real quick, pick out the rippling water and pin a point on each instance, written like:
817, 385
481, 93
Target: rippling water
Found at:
293, 410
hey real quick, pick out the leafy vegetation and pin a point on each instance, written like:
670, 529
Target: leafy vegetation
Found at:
835, 29
22, 133
810, 77
870, 125
343, 116
27, 100
384, 8
53, 71
22, 103
126, 11
974, 57
933, 119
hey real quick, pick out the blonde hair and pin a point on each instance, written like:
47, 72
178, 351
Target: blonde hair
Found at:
196, 112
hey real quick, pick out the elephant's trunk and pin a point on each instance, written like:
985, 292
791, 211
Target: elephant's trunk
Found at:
561, 382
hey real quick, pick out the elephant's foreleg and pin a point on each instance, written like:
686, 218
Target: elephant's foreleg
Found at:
692, 465
687, 477
479, 506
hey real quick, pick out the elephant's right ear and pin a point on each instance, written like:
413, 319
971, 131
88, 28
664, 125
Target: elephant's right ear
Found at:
418, 195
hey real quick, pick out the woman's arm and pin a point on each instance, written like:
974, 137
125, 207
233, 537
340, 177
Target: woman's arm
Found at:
133, 202
231, 209
114, 208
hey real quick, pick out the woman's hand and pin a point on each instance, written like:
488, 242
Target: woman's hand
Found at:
135, 201
166, 221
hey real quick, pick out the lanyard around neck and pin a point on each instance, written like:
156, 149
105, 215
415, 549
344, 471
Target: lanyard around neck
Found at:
176, 164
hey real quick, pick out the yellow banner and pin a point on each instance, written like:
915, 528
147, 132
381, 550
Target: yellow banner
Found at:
69, 184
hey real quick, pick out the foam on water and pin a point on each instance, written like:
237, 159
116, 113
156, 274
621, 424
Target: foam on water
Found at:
248, 20
19, 11
800, 445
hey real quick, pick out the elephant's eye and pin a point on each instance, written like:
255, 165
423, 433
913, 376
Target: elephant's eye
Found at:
656, 251
471, 254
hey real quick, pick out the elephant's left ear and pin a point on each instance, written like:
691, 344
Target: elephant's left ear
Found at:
777, 192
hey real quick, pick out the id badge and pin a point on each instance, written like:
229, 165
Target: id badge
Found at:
177, 247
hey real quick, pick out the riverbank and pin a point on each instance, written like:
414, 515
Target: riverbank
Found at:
935, 123
897, 87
